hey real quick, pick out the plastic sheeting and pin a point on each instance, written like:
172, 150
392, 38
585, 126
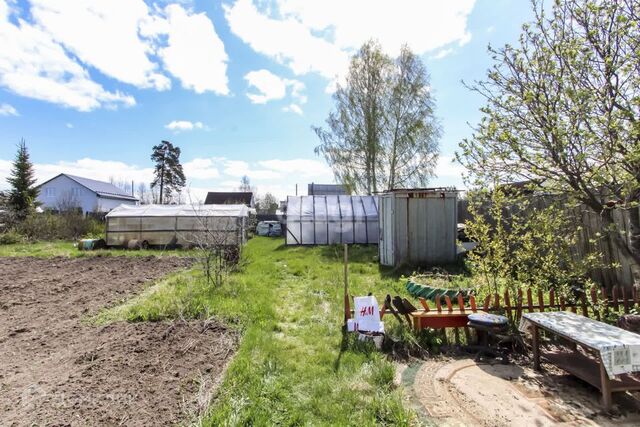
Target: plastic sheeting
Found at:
326, 220
184, 225
179, 211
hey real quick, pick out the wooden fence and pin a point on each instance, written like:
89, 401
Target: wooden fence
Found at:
591, 229
597, 304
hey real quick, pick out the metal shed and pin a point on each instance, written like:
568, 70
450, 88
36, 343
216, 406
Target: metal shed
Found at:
185, 225
418, 226
326, 220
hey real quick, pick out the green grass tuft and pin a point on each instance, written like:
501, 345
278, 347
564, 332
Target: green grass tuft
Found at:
294, 366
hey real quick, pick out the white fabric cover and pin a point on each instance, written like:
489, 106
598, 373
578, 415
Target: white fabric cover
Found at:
179, 211
326, 220
619, 349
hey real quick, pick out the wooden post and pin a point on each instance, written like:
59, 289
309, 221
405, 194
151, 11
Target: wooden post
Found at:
605, 387
535, 344
347, 307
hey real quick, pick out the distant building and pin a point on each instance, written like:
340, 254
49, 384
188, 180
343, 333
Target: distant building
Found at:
65, 191
326, 190
230, 198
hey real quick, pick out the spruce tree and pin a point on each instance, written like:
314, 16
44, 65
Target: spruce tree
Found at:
23, 194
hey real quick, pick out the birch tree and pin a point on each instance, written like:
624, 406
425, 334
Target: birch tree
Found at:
382, 132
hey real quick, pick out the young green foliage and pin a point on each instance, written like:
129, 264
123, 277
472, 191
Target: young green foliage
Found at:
525, 241
562, 110
383, 133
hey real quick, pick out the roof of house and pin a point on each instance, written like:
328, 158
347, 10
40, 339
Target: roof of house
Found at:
228, 197
314, 189
101, 188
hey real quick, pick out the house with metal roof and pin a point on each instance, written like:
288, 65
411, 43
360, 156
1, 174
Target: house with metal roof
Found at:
230, 198
67, 191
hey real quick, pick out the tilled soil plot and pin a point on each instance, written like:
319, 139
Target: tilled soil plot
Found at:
56, 369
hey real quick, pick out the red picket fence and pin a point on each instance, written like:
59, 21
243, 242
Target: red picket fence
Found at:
596, 304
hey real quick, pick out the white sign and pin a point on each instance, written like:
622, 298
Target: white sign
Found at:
367, 315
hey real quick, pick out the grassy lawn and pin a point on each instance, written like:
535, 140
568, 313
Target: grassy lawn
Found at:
293, 367
67, 249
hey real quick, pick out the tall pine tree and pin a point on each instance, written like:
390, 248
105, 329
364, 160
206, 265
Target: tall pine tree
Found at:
169, 176
23, 194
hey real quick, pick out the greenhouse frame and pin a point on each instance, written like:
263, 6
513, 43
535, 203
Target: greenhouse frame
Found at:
326, 220
177, 225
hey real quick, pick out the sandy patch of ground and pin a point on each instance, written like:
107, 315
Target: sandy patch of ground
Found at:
57, 369
465, 393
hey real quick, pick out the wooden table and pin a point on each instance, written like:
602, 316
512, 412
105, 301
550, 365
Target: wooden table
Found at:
590, 367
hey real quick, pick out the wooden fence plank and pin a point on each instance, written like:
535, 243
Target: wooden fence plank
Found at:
472, 303
594, 303
625, 300
487, 301
552, 297
496, 301
583, 301
605, 302
447, 300
614, 297
529, 300
438, 303
424, 304
519, 305
562, 306
507, 304
461, 303
540, 300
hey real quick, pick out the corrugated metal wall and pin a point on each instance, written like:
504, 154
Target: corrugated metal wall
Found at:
418, 227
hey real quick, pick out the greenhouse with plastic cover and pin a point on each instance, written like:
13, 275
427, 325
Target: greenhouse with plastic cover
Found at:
177, 225
326, 220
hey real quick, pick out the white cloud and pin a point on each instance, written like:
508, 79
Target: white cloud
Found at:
35, 66
194, 53
268, 85
239, 168
293, 108
271, 87
102, 170
287, 41
8, 110
277, 176
425, 25
105, 35
302, 167
183, 125
442, 53
318, 36
199, 168
69, 125
47, 53
448, 173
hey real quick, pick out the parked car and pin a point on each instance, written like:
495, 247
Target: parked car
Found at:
269, 228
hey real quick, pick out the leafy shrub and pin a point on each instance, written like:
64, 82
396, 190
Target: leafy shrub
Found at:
10, 237
525, 242
65, 226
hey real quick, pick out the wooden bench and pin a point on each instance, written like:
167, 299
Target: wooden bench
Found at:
588, 367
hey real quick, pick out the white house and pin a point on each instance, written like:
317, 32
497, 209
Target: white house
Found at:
64, 191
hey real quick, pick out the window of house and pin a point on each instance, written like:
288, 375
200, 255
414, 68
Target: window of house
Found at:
50, 192
75, 191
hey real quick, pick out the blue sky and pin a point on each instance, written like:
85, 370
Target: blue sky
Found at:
93, 85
